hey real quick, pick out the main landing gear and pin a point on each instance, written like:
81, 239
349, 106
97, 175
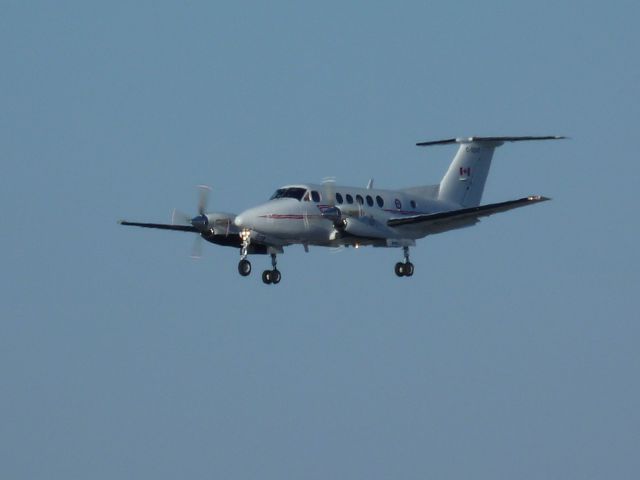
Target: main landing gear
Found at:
273, 275
404, 269
268, 276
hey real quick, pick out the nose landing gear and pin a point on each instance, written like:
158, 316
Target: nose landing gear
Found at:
272, 276
404, 269
244, 266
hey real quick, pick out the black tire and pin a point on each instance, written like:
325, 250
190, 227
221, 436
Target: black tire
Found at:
266, 277
399, 269
275, 277
408, 269
244, 267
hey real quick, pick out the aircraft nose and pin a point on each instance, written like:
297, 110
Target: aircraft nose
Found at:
251, 218
246, 219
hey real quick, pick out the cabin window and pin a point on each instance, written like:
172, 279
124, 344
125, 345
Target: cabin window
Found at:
379, 201
315, 196
291, 192
339, 198
349, 198
369, 201
398, 204
359, 199
413, 204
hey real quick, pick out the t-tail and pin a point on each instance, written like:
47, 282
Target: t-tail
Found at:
464, 181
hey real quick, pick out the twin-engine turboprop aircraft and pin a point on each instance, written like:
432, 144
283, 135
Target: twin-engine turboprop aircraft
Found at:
328, 215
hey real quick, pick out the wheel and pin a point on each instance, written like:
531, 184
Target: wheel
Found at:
399, 269
266, 277
275, 276
244, 267
408, 269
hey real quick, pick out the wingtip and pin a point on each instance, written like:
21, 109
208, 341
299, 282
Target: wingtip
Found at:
538, 198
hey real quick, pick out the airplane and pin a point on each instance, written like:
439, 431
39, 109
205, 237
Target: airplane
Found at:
328, 215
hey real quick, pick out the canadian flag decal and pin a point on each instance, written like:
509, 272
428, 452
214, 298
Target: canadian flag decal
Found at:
465, 171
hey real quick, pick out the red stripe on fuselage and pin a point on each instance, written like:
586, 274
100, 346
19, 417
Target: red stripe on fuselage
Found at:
277, 216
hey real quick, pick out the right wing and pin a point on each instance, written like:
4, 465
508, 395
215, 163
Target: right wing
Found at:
443, 221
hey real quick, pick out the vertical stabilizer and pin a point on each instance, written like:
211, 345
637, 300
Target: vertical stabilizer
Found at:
463, 183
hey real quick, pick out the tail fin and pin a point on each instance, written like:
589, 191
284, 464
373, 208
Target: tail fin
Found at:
464, 181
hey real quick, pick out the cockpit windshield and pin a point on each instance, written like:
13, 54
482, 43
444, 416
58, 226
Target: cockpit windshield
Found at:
291, 192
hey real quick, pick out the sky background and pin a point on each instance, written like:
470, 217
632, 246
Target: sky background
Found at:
511, 353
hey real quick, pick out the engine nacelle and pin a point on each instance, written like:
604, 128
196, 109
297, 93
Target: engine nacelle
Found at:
366, 227
221, 223
332, 213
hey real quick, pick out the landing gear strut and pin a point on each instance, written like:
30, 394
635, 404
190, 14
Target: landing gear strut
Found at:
244, 266
404, 269
273, 275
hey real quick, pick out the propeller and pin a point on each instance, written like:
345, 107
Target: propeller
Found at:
338, 214
180, 218
331, 212
200, 222
203, 198
329, 184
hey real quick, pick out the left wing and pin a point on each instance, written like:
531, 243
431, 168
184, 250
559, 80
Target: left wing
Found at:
260, 244
160, 226
443, 221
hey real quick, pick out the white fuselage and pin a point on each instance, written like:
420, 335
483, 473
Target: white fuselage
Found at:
288, 220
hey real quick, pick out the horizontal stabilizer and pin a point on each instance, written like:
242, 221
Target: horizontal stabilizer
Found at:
161, 226
493, 140
473, 213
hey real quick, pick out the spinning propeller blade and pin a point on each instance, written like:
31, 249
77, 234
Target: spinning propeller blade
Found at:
202, 199
330, 211
196, 249
199, 222
180, 218
329, 190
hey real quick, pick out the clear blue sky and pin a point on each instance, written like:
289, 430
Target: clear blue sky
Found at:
511, 353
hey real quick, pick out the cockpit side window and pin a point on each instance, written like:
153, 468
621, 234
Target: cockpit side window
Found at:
278, 194
315, 196
291, 192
